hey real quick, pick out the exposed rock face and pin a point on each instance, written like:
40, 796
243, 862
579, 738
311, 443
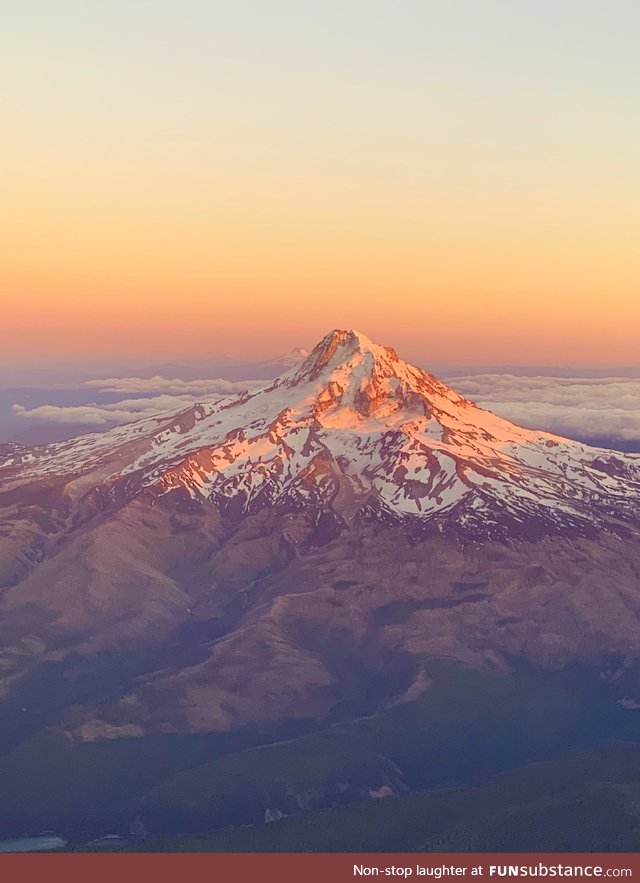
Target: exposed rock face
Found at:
300, 548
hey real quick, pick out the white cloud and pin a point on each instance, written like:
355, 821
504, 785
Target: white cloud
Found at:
582, 407
174, 386
170, 395
90, 415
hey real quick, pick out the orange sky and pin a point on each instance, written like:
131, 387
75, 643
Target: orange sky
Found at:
476, 199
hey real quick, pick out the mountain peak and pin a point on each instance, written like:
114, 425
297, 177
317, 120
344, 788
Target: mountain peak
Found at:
351, 374
341, 343
344, 351
348, 337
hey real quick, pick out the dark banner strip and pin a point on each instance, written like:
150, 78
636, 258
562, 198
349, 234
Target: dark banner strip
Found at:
310, 868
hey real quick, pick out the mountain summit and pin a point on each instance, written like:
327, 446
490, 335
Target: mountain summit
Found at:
353, 430
361, 375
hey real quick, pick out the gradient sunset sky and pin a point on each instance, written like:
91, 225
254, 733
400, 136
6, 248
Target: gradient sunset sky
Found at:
459, 179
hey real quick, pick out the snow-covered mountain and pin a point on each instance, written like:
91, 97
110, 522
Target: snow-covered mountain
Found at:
335, 554
354, 429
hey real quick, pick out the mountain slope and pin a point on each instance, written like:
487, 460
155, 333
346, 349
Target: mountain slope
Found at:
298, 552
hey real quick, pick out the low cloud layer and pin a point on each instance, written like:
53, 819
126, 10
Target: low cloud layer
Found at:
125, 411
164, 395
583, 407
173, 386
605, 408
